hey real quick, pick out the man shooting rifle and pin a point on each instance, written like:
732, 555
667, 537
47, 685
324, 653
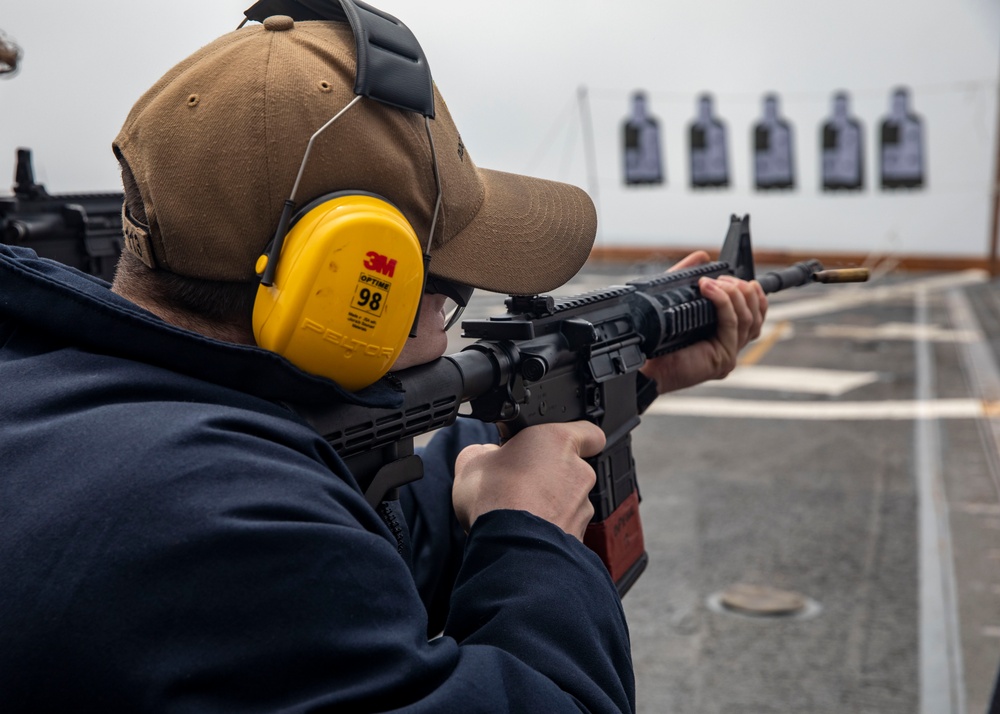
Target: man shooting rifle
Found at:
299, 206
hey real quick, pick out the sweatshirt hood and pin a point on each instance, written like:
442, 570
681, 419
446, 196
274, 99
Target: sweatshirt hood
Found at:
80, 310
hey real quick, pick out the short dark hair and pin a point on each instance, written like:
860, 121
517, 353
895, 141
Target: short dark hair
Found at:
215, 300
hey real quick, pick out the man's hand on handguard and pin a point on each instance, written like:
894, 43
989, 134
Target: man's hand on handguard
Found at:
540, 470
741, 307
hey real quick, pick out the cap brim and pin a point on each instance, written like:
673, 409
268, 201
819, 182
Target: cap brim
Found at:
529, 236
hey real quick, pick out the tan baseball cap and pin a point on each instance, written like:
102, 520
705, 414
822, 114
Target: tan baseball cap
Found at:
215, 146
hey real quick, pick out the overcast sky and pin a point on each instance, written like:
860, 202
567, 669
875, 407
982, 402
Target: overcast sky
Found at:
511, 72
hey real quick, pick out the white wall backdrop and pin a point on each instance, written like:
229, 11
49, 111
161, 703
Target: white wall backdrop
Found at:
511, 72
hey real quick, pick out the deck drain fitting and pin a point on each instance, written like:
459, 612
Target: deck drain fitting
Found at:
763, 602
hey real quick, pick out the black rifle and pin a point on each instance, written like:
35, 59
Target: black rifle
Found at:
557, 360
83, 230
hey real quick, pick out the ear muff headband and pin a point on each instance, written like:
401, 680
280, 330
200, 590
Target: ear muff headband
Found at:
310, 307
345, 292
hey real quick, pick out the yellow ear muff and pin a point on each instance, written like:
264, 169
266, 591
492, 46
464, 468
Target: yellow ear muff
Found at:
346, 290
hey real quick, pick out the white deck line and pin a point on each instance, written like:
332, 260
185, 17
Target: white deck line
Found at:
828, 382
904, 410
942, 686
897, 331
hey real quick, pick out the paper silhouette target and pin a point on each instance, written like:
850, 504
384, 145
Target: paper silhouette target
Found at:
774, 163
641, 134
842, 147
902, 144
708, 148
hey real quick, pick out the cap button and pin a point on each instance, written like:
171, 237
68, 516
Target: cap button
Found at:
279, 23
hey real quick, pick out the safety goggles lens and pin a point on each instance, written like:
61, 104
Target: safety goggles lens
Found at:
453, 313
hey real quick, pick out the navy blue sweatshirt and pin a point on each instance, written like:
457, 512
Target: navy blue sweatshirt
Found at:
173, 538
